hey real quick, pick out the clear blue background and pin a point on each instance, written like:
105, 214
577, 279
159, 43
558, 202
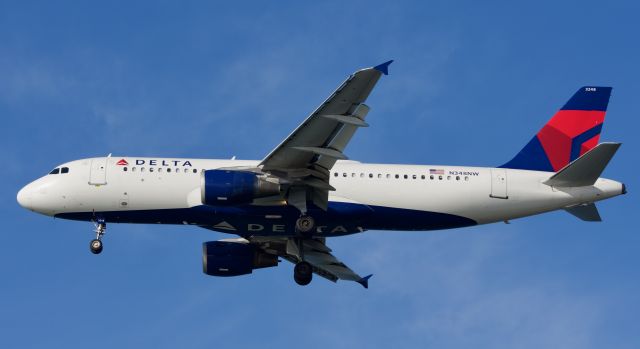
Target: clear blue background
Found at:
472, 82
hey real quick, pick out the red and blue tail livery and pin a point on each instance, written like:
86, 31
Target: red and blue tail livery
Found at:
571, 132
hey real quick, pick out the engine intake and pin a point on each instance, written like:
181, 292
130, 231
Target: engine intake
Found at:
228, 187
229, 258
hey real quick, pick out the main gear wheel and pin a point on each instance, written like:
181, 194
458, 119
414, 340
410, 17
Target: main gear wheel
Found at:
305, 224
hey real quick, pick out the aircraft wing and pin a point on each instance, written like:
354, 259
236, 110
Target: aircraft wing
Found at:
304, 158
316, 252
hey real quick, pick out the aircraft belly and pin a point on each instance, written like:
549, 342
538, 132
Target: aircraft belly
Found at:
340, 219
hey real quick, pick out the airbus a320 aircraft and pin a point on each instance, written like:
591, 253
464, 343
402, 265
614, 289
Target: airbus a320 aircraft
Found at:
304, 191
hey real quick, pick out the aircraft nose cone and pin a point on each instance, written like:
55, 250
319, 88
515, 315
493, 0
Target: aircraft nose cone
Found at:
24, 198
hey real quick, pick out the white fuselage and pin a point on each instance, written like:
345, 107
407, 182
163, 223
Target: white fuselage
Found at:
484, 195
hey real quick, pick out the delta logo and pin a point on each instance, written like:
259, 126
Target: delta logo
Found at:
122, 162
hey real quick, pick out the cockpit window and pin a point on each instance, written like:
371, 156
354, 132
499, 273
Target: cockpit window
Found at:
55, 171
64, 170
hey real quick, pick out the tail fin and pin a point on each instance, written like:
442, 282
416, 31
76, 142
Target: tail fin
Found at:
571, 132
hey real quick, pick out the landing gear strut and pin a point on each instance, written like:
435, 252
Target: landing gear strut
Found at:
96, 244
303, 273
305, 224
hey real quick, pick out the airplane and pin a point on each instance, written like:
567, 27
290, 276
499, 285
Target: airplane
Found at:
306, 190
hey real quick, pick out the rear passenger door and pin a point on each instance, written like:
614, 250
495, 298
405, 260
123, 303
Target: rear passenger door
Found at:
499, 183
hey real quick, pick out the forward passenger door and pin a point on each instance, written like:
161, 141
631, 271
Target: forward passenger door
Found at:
98, 172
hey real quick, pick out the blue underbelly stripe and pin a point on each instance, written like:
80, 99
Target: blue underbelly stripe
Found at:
340, 218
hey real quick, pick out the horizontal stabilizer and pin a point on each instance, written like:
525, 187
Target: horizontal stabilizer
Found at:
586, 169
586, 212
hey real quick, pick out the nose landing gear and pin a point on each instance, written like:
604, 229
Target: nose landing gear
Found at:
96, 244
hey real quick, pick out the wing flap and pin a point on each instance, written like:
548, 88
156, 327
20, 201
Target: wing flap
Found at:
332, 153
347, 120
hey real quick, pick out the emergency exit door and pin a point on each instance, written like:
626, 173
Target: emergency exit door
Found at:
499, 183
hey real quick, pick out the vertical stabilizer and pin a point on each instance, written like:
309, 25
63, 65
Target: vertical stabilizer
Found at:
571, 132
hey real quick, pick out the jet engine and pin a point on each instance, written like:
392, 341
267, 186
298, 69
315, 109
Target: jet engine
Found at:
232, 258
229, 187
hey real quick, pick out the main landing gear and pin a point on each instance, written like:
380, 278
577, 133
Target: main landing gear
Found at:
96, 244
305, 224
303, 271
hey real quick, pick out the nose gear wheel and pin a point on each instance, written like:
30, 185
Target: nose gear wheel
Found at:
96, 244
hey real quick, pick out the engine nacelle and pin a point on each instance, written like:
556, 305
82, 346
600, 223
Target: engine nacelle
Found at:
229, 187
230, 258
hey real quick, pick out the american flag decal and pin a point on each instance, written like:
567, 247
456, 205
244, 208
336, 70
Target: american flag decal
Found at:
436, 172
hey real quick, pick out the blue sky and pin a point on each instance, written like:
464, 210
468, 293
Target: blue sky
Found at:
471, 83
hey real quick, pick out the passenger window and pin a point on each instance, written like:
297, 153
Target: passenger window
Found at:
353, 174
379, 175
55, 171
431, 177
448, 177
405, 176
397, 176
457, 178
168, 170
186, 170
195, 170
414, 177
370, 175
150, 169
344, 174
141, 169
440, 177
388, 176
422, 177
335, 174
466, 178
361, 175
64, 170
124, 169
